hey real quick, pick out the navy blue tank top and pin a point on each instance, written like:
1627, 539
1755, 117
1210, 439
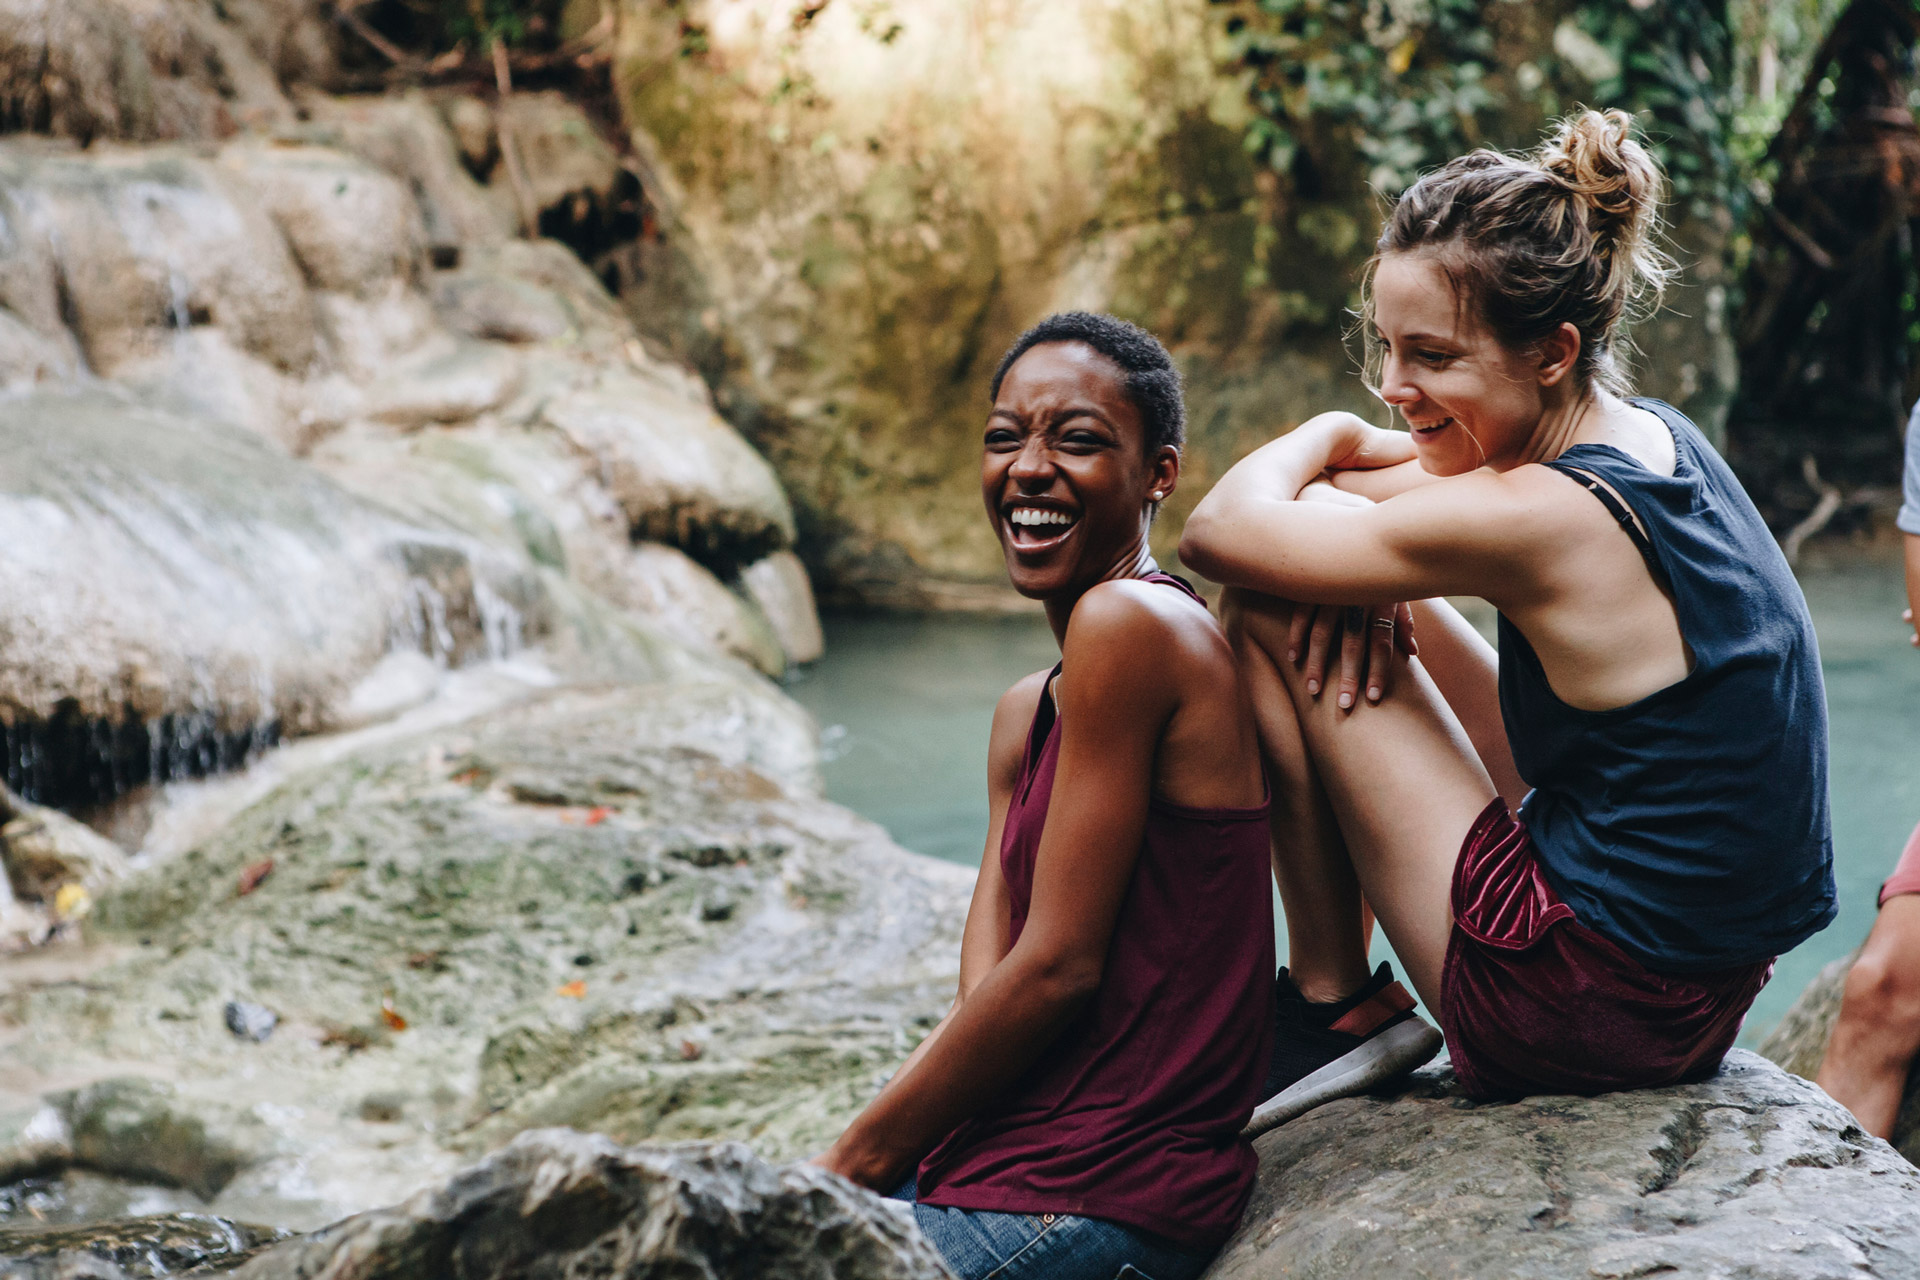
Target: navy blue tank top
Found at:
1691, 826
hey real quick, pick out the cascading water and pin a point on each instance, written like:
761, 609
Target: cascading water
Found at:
71, 762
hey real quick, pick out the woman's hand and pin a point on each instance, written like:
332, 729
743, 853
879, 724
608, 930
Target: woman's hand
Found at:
1368, 638
870, 1171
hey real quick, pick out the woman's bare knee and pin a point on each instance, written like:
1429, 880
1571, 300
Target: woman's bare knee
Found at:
1883, 992
1260, 620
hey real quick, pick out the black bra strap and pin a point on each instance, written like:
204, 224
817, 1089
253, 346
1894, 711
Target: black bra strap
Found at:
1616, 509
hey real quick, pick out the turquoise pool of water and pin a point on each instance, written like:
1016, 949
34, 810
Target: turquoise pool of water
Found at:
905, 703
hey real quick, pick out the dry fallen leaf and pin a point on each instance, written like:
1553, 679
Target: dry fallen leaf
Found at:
392, 1017
72, 901
689, 1050
575, 990
255, 873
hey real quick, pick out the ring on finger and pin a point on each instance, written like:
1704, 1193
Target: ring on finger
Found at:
1384, 622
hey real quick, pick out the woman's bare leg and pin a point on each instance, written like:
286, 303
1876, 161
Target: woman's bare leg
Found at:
1877, 1033
1326, 933
1401, 778
1466, 670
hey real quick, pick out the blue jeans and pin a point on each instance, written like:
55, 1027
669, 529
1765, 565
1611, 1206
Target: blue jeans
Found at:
979, 1244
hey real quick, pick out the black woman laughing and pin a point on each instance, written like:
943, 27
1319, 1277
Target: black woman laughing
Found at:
1078, 1112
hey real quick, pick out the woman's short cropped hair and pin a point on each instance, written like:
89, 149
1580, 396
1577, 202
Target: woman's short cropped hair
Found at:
1152, 381
1569, 233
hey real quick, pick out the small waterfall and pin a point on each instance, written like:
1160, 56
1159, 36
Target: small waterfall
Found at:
420, 622
450, 612
501, 625
179, 310
73, 762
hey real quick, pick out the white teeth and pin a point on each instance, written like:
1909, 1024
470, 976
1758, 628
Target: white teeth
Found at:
1037, 515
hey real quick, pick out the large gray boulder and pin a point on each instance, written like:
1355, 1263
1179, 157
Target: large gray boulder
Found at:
620, 908
1753, 1174
556, 1203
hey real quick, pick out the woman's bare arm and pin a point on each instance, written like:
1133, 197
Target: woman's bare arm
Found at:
1381, 483
1477, 534
1111, 722
1911, 543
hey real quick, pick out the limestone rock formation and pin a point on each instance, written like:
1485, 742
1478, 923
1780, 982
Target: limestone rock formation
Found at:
557, 1203
182, 325
179, 586
1754, 1173
141, 71
619, 907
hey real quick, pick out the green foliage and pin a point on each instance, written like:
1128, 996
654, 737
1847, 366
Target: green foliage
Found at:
1399, 86
1402, 84
1673, 61
1773, 43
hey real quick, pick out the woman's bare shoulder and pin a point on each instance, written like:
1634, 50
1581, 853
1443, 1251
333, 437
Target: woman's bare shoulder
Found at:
1153, 625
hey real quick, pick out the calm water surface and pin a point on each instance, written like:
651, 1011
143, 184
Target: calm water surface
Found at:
905, 704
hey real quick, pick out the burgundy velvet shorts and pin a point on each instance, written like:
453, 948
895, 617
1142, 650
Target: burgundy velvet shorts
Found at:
1532, 1001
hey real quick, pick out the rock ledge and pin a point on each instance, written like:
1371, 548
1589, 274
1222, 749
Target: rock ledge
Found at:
559, 1203
1754, 1173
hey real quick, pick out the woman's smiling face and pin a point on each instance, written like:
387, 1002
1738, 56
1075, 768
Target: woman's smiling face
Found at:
1470, 400
1065, 475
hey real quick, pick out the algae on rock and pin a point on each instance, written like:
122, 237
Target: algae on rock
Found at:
616, 907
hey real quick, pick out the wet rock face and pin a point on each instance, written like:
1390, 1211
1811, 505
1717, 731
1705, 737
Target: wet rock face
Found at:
179, 320
1751, 1173
184, 593
143, 1248
556, 1203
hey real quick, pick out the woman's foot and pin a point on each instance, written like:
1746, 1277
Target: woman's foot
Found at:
1327, 1051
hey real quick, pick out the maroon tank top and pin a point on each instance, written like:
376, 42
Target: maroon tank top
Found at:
1134, 1113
